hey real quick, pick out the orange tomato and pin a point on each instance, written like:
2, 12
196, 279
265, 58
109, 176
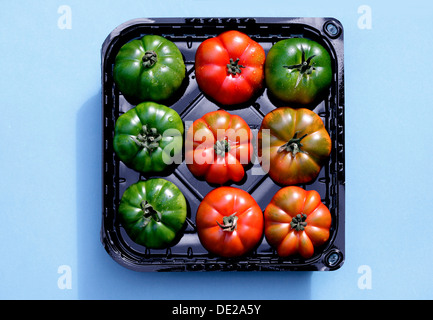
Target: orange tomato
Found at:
296, 221
293, 145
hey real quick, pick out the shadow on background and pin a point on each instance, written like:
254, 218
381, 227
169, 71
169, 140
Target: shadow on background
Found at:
100, 277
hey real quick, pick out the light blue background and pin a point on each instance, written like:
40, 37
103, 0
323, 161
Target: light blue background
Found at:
51, 154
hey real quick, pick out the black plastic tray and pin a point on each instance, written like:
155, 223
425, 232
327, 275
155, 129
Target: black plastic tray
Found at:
191, 103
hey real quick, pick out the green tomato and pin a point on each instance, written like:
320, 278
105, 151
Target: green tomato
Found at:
298, 71
150, 68
153, 212
149, 137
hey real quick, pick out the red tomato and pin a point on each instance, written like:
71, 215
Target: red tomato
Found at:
229, 67
296, 221
218, 147
229, 222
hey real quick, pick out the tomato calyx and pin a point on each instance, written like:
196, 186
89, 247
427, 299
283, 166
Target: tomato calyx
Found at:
234, 67
293, 145
149, 59
229, 222
298, 222
149, 213
221, 147
304, 68
148, 138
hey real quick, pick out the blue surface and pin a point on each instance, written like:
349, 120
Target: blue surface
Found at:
50, 155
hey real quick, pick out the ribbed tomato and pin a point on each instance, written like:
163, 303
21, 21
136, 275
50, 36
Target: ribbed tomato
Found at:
293, 145
149, 69
296, 221
298, 71
230, 67
229, 222
218, 147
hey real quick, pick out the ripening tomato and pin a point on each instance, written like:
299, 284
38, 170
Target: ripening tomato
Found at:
293, 145
229, 67
296, 221
218, 147
229, 222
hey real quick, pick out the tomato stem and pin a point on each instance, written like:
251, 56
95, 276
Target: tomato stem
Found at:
221, 147
233, 67
293, 145
229, 222
304, 68
298, 222
149, 213
148, 138
149, 59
